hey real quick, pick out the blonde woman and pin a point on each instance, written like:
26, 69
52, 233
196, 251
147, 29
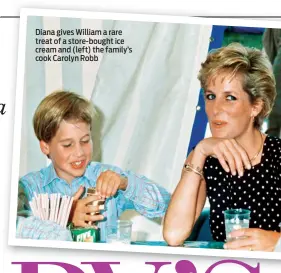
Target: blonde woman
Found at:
239, 166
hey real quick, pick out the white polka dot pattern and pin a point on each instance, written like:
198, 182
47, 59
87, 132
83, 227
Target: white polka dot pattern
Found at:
259, 190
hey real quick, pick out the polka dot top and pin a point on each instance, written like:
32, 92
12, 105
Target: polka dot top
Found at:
258, 190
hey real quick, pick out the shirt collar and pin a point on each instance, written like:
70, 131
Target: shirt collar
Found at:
87, 172
51, 175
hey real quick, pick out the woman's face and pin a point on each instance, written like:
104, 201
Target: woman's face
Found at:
228, 106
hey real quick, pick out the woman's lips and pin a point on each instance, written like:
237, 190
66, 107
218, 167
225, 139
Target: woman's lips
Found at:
78, 164
218, 124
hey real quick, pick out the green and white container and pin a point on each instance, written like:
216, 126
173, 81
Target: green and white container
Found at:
88, 234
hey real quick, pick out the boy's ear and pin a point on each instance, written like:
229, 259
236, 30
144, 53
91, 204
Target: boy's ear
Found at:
44, 146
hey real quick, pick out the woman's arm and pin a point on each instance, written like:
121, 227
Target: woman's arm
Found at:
186, 203
189, 197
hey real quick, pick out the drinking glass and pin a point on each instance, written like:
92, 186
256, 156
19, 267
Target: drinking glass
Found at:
120, 233
235, 219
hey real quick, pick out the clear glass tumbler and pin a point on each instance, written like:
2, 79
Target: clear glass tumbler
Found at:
119, 233
235, 219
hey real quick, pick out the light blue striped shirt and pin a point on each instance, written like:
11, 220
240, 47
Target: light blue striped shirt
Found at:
146, 197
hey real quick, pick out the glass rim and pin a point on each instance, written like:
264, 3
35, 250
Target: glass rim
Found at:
237, 211
122, 223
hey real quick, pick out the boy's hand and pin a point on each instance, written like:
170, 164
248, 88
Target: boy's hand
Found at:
109, 182
80, 212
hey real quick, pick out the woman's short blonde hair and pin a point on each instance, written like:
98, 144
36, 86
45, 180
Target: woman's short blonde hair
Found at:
59, 106
252, 64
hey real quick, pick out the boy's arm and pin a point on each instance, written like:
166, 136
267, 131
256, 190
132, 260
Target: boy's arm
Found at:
30, 227
34, 228
146, 197
149, 199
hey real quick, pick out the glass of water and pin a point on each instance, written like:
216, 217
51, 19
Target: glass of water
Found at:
120, 233
235, 219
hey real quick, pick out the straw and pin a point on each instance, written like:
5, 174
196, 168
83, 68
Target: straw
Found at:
62, 204
54, 207
66, 211
57, 207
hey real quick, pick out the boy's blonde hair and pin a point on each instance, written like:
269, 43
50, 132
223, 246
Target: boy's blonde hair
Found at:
59, 106
252, 64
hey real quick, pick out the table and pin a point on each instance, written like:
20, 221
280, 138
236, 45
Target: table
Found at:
186, 244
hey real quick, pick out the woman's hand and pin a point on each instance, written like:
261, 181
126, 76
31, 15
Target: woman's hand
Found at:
230, 154
82, 213
109, 182
255, 239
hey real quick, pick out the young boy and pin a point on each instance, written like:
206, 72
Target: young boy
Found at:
62, 124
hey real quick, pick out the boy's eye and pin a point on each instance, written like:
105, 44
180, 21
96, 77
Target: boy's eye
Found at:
85, 141
66, 145
230, 97
210, 96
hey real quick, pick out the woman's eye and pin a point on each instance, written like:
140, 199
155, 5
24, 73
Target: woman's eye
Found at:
85, 141
230, 97
210, 96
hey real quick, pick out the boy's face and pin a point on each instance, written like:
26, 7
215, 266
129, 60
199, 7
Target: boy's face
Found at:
70, 149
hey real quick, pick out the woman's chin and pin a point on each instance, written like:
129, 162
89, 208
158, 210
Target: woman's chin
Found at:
220, 134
